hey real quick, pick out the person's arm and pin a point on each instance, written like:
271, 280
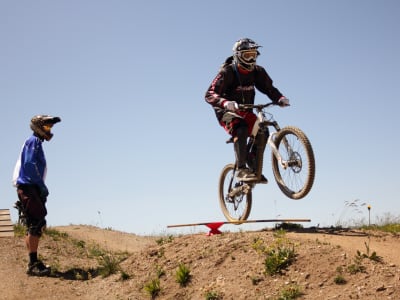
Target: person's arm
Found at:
265, 85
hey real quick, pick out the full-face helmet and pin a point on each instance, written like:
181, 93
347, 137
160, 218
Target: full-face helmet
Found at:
42, 124
245, 53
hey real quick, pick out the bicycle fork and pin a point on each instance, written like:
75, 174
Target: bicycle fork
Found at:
275, 151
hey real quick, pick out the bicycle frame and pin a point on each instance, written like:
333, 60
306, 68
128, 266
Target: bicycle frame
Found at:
263, 122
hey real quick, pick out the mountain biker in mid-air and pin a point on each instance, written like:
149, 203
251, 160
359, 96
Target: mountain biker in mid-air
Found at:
235, 84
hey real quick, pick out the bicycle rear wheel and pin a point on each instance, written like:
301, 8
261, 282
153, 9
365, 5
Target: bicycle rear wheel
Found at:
235, 197
296, 178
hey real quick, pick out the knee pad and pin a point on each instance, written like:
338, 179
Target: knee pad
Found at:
37, 227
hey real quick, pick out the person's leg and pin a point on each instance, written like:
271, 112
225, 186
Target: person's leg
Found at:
35, 266
237, 127
32, 244
35, 212
240, 145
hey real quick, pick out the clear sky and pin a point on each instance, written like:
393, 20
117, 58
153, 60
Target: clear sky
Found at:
138, 147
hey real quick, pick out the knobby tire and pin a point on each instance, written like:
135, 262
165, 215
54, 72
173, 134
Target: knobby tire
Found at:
237, 208
295, 181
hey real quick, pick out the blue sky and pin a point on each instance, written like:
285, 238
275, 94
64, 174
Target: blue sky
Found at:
138, 148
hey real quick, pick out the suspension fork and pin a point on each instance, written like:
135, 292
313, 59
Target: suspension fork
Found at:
275, 151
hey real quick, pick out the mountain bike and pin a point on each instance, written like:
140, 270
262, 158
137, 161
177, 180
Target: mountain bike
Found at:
293, 164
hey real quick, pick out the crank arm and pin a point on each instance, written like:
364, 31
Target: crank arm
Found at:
243, 189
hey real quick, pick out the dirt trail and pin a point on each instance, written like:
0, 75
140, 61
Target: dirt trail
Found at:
226, 264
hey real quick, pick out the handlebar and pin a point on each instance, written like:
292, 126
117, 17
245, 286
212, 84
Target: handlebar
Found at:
258, 107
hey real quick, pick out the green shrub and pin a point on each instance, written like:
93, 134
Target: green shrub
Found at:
182, 275
153, 288
211, 295
108, 265
278, 259
339, 279
290, 292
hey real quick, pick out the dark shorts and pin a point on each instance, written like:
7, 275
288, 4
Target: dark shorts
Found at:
34, 208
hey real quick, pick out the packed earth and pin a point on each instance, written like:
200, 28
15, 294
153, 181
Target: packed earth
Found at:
287, 263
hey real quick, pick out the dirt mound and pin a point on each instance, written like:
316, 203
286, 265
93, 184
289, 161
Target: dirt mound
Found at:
325, 264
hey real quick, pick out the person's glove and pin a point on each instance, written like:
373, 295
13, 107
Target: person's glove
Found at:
283, 101
231, 105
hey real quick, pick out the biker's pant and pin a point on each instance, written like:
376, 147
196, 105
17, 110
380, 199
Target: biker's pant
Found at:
34, 208
240, 145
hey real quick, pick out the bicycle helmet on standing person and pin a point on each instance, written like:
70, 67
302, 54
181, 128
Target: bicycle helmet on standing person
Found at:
245, 53
41, 126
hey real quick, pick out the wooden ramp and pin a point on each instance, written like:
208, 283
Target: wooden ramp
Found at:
6, 226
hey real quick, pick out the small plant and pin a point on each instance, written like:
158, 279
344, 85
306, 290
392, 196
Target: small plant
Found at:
95, 251
164, 240
278, 259
125, 276
212, 295
290, 292
258, 245
339, 279
373, 255
256, 280
159, 272
356, 267
79, 243
108, 265
182, 275
153, 288
279, 234
19, 230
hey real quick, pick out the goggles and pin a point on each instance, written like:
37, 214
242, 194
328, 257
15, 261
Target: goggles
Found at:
249, 54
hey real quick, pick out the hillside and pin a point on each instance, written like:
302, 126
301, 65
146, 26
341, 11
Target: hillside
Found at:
325, 264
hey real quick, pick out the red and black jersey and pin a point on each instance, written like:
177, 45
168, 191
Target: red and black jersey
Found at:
232, 85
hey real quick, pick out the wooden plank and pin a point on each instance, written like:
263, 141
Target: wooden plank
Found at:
6, 226
7, 234
6, 223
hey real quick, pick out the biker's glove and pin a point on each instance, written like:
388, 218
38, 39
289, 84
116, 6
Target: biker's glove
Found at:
231, 105
283, 101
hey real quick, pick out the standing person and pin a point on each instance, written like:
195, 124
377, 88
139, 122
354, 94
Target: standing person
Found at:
235, 84
29, 179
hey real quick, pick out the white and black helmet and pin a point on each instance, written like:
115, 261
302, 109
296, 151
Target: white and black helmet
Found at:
245, 53
37, 123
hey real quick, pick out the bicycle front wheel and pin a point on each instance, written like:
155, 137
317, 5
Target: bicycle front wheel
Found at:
235, 197
295, 175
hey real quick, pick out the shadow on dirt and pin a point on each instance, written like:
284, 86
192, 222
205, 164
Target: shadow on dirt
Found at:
298, 228
76, 274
